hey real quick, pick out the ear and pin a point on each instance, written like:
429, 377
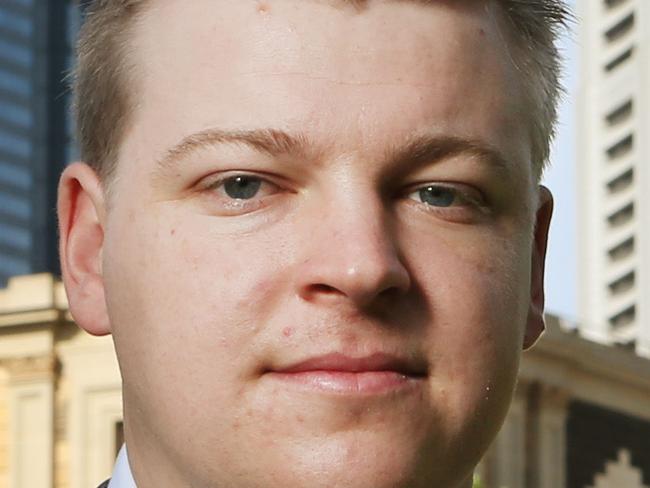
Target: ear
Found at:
81, 213
535, 324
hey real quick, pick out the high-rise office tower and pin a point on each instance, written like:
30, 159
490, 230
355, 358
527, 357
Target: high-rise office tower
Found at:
614, 171
35, 53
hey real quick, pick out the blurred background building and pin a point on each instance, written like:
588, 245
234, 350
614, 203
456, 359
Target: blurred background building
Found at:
614, 181
581, 412
35, 132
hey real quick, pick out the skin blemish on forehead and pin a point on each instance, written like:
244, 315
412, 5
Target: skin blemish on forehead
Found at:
288, 331
263, 7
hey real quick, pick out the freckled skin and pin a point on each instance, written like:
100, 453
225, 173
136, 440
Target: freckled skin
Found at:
339, 257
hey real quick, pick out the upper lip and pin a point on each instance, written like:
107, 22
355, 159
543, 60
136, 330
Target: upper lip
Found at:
343, 363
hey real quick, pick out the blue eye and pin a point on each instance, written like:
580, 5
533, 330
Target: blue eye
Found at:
239, 193
436, 196
242, 187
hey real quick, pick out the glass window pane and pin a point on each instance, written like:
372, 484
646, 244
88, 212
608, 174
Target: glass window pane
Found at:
12, 144
24, 3
15, 237
16, 53
12, 266
14, 206
19, 177
16, 114
14, 22
14, 83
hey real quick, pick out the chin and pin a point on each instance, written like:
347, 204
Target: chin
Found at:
362, 461
352, 476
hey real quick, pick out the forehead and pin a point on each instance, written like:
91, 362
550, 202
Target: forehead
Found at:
349, 76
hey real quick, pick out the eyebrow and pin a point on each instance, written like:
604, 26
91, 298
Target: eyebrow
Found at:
427, 149
269, 141
415, 151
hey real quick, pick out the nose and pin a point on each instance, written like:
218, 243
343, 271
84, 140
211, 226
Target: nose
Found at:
353, 256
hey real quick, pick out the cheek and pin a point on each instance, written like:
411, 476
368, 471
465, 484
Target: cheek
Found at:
180, 281
185, 303
478, 292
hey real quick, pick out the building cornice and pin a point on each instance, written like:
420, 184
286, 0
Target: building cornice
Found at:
612, 376
33, 299
614, 362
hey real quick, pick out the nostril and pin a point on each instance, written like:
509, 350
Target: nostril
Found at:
323, 288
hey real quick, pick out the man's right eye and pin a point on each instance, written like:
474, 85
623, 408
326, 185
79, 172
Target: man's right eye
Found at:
242, 187
238, 193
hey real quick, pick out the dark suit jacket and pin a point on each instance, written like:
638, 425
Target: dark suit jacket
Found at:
104, 484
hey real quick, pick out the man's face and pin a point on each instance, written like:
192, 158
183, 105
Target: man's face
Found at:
317, 256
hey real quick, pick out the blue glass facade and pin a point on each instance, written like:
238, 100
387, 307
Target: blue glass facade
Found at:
36, 38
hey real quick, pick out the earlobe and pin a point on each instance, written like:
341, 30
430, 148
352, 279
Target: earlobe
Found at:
535, 324
81, 212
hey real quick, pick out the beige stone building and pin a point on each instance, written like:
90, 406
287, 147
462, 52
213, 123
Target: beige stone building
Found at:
60, 396
580, 417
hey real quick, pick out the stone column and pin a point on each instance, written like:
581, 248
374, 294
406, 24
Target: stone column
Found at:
551, 449
30, 391
505, 463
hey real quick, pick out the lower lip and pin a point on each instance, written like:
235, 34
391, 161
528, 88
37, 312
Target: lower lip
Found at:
348, 382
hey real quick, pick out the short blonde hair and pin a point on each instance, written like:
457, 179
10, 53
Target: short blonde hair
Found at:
103, 79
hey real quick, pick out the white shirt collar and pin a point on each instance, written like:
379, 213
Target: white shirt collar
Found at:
122, 477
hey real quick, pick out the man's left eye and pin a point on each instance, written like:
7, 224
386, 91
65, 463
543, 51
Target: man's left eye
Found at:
441, 196
436, 195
